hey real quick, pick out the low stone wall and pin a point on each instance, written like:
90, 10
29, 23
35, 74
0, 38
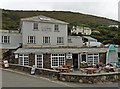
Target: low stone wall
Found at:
91, 78
70, 77
18, 67
53, 74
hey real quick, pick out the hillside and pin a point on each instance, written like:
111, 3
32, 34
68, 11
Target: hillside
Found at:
11, 20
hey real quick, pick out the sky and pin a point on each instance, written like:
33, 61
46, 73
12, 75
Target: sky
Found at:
102, 8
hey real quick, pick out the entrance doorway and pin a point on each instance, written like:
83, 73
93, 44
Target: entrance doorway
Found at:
75, 61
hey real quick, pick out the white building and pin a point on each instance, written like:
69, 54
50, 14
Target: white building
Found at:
9, 40
92, 42
42, 31
45, 44
82, 30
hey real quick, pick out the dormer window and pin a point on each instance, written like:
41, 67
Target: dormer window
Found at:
56, 28
35, 25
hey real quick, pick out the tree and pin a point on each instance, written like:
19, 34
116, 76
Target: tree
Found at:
116, 39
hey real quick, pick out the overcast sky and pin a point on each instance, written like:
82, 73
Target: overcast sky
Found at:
103, 8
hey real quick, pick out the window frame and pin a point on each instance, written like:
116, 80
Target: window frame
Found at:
35, 26
56, 58
31, 41
46, 40
36, 60
69, 40
60, 40
5, 40
91, 58
56, 28
24, 61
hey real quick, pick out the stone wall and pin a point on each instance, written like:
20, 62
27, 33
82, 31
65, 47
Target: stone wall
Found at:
47, 61
18, 67
93, 78
48, 73
70, 77
15, 60
69, 62
31, 59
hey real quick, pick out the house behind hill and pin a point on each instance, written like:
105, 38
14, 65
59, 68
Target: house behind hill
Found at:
82, 30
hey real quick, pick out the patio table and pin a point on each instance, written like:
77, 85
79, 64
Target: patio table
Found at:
63, 69
90, 70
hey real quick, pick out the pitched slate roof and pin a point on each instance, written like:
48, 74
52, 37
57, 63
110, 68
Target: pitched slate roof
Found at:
62, 50
42, 18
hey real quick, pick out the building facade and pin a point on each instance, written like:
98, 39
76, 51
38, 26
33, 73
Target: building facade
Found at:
46, 44
43, 32
10, 40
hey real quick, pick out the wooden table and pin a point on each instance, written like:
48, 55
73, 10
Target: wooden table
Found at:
63, 69
90, 70
109, 69
66, 66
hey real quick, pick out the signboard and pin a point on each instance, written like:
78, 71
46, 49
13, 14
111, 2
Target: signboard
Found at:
33, 70
16, 55
6, 63
69, 56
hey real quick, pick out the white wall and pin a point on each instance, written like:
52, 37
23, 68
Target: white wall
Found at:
27, 29
76, 41
15, 39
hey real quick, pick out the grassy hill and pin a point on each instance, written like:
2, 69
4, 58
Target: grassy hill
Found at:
11, 20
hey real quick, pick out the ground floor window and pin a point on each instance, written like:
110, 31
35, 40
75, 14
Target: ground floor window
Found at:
23, 59
93, 58
39, 60
57, 60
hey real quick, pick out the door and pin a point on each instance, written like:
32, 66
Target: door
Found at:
83, 57
39, 61
75, 61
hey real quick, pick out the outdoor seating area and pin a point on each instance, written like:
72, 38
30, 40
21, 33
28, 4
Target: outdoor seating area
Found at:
65, 68
89, 68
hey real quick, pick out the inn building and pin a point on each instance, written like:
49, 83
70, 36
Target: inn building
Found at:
45, 43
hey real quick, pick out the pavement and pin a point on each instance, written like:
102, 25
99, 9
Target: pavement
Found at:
11, 78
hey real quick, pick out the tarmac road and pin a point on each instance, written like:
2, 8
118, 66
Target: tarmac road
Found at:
19, 79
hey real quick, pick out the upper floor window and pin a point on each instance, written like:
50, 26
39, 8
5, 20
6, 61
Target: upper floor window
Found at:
31, 39
60, 40
56, 27
5, 39
35, 25
46, 40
